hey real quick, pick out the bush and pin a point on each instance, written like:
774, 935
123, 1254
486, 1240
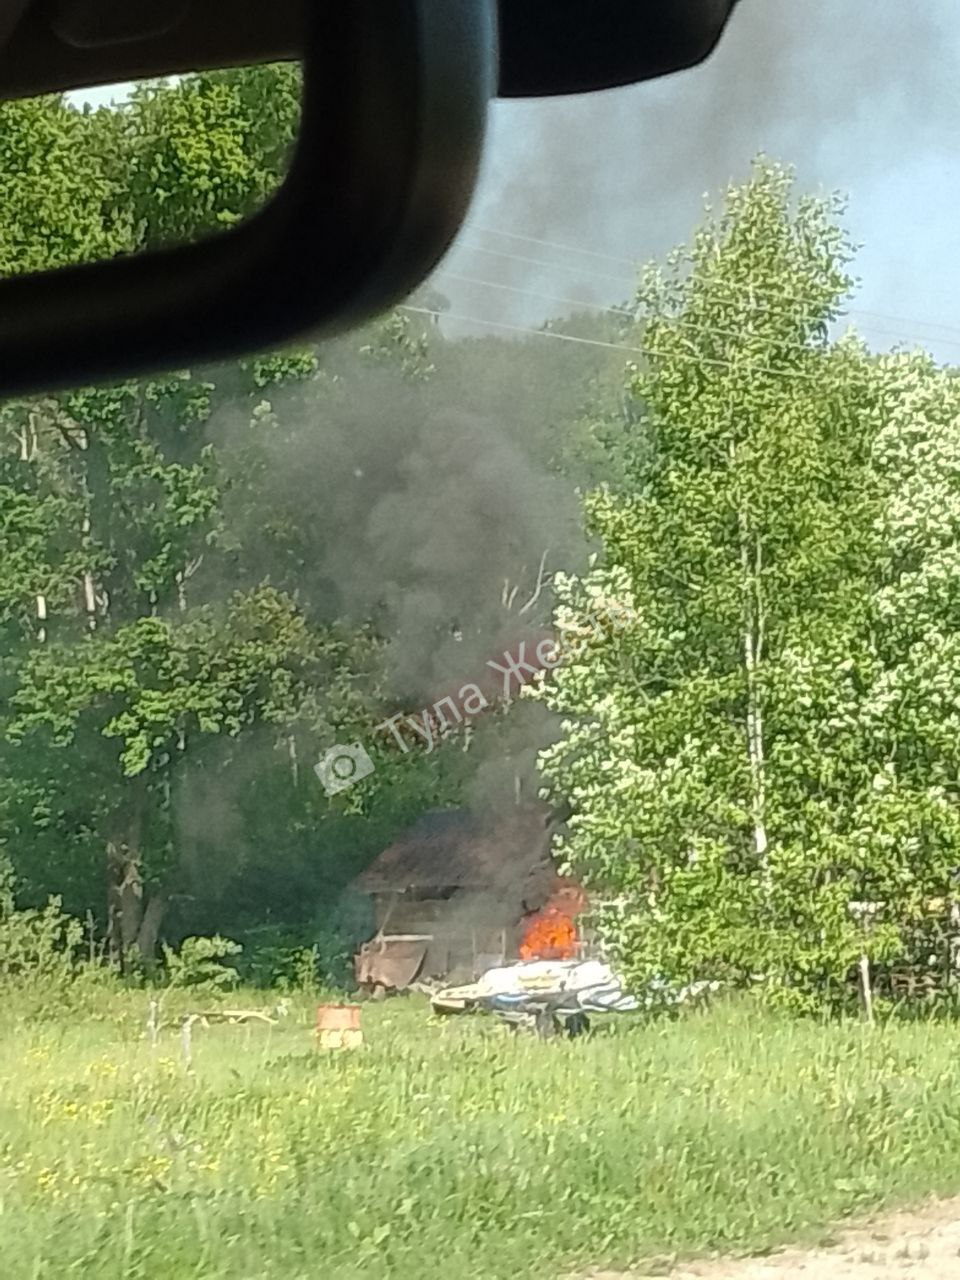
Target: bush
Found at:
338, 934
285, 959
39, 945
333, 959
198, 964
303, 957
39, 949
272, 955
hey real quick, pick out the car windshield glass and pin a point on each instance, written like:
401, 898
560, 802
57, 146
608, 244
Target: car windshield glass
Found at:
481, 796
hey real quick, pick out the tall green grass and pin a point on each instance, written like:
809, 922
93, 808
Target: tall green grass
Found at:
454, 1147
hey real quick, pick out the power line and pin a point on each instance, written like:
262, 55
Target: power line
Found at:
612, 346
533, 293
523, 328
607, 257
712, 330
534, 262
631, 314
889, 333
550, 266
929, 324
550, 244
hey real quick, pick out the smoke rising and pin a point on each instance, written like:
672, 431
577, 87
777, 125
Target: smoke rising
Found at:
429, 500
850, 93
426, 500
422, 514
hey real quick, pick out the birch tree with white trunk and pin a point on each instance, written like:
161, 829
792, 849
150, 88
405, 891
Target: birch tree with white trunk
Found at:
738, 535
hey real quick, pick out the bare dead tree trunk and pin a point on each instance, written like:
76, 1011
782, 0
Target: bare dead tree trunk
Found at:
89, 586
90, 600
125, 881
182, 578
29, 439
148, 934
538, 585
124, 899
508, 594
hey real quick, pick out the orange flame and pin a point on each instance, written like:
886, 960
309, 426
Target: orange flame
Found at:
550, 935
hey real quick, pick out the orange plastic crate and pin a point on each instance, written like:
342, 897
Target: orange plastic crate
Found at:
338, 1026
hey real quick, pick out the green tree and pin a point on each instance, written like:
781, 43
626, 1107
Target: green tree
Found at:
871, 788
183, 635
122, 662
63, 202
206, 153
742, 538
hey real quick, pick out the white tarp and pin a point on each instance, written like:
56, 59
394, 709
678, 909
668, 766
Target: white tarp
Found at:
592, 986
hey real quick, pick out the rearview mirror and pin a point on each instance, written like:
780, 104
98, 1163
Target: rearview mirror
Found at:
392, 123
394, 102
552, 47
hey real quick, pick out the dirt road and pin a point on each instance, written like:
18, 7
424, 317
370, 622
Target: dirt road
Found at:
923, 1244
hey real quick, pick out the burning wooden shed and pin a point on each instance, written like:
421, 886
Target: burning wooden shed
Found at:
458, 894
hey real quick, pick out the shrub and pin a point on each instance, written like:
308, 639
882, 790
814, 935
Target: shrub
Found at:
39, 949
198, 964
338, 934
271, 954
304, 957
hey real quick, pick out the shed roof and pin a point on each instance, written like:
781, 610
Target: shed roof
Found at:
454, 849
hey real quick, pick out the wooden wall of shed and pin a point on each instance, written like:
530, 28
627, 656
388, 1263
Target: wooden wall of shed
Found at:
470, 931
400, 913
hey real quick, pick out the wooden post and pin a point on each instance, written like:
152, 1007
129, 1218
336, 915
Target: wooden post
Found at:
152, 1024
186, 1031
865, 988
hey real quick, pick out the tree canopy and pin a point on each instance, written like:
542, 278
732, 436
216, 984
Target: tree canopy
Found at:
208, 578
765, 748
187, 624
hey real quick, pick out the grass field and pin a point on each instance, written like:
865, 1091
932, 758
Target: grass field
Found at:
454, 1148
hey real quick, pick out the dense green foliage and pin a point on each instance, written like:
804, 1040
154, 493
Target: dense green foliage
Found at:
763, 765
209, 578
183, 634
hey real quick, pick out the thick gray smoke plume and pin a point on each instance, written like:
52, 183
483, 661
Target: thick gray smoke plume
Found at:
422, 514
466, 511
427, 501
